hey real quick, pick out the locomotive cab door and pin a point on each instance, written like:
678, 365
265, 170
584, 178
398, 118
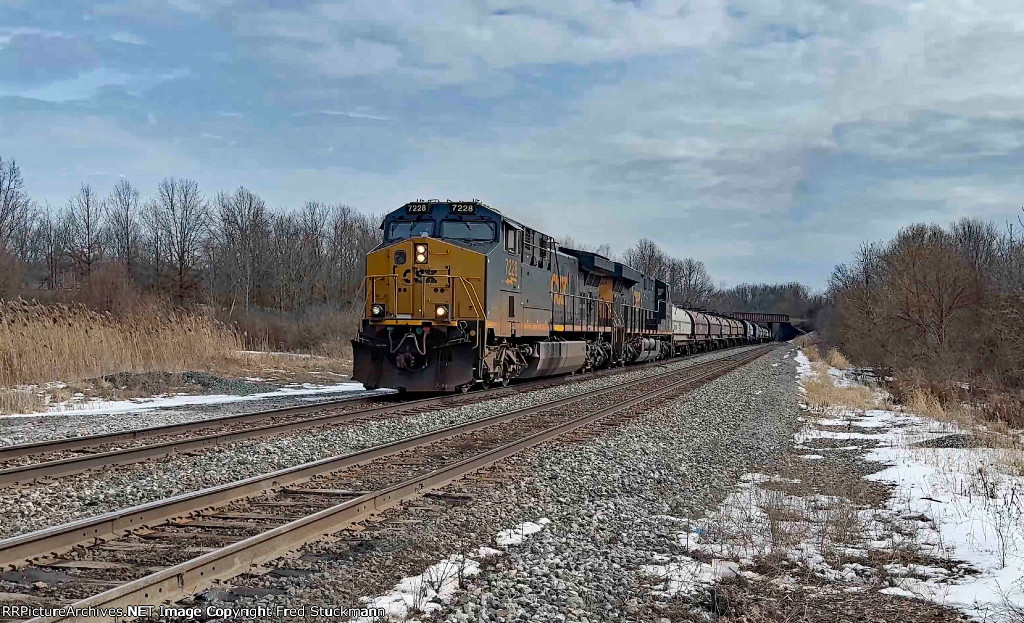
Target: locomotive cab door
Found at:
511, 287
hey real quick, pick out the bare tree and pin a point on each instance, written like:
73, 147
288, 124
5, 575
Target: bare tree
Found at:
184, 216
940, 301
646, 257
690, 282
312, 221
604, 250
244, 232
287, 273
123, 221
351, 236
85, 244
13, 200
52, 237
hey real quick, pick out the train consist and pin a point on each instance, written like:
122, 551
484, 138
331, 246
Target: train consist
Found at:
458, 294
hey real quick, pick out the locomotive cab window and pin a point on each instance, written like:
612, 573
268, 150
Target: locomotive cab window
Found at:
511, 239
402, 230
475, 231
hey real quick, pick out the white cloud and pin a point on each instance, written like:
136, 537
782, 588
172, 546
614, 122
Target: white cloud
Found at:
356, 115
455, 42
127, 37
735, 127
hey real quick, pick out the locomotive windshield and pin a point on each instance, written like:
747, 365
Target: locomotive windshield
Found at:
468, 230
400, 230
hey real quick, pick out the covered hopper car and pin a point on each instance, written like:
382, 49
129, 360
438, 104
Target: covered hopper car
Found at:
458, 294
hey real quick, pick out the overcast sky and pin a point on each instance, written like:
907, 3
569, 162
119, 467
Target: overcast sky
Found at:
767, 138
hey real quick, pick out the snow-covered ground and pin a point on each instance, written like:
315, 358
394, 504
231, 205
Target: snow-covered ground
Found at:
960, 509
105, 407
976, 512
967, 506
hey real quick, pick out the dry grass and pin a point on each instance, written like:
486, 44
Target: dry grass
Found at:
43, 343
20, 401
837, 360
824, 395
830, 356
783, 524
322, 366
73, 346
991, 433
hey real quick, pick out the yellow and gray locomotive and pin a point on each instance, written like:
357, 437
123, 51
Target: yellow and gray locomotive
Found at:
458, 294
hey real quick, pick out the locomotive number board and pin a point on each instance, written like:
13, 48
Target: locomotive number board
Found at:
456, 207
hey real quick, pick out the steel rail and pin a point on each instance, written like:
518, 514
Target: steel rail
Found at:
192, 575
21, 549
89, 441
125, 456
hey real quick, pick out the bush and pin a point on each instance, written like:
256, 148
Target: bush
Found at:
938, 309
12, 275
322, 331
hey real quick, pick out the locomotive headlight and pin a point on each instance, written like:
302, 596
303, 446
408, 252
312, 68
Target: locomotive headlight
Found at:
441, 311
421, 254
377, 310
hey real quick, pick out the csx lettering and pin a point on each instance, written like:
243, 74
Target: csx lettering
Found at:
559, 288
512, 272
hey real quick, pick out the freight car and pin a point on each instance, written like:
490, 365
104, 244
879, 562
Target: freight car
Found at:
458, 294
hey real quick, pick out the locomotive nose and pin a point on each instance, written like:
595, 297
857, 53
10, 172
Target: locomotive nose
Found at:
424, 281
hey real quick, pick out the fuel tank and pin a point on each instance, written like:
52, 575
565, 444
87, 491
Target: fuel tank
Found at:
546, 358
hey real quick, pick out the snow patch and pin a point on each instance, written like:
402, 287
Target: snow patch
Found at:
431, 590
423, 593
166, 402
515, 536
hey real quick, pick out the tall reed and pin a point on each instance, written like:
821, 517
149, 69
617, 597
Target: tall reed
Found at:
68, 342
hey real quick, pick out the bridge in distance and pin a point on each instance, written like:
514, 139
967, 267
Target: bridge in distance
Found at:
780, 324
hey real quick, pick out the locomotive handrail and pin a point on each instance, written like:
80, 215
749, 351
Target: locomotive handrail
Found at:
600, 304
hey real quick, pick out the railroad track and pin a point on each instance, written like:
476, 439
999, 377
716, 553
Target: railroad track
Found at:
63, 457
162, 551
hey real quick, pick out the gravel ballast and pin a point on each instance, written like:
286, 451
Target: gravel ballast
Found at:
90, 494
616, 503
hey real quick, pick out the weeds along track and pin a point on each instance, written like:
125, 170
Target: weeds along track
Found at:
26, 463
159, 552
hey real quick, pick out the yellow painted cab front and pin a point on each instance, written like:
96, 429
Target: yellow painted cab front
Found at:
424, 279
425, 287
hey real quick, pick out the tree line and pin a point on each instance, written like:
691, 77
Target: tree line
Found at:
231, 250
945, 303
238, 256
692, 286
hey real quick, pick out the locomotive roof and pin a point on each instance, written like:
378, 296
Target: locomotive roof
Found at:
594, 262
474, 202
